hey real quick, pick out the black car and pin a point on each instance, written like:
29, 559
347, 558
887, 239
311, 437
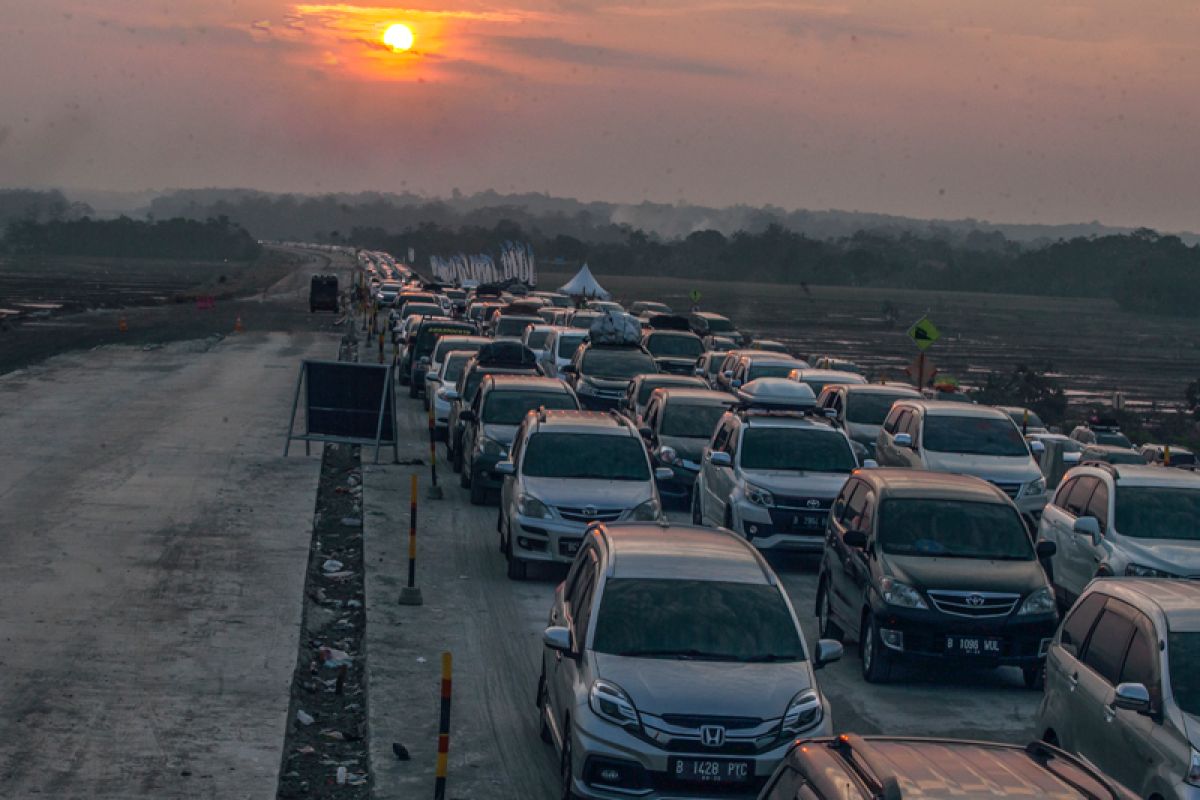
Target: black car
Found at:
678, 425
420, 348
674, 350
933, 566
600, 373
637, 395
497, 358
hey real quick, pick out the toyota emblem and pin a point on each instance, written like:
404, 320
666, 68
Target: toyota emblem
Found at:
814, 503
589, 511
975, 600
712, 735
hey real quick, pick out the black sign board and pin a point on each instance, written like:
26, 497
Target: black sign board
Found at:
345, 402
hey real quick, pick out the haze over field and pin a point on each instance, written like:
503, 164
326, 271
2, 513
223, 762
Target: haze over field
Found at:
1016, 112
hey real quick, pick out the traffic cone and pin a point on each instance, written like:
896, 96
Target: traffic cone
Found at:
122, 325
237, 325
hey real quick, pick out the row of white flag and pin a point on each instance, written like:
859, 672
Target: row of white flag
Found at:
516, 263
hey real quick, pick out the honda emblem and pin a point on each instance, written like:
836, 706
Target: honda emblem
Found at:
712, 735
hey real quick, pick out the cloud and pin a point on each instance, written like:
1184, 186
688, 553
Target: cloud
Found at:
552, 48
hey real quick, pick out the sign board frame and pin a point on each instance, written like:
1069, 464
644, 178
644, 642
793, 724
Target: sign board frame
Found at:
348, 407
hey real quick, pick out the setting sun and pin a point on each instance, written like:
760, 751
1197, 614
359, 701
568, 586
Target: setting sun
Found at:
398, 37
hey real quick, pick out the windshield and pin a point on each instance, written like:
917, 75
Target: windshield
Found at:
769, 371
691, 421
953, 529
1183, 656
618, 362
719, 325
870, 408
453, 368
567, 345
796, 449
674, 345
509, 407
1158, 512
692, 619
586, 456
536, 339
419, 308
514, 326
979, 436
1116, 439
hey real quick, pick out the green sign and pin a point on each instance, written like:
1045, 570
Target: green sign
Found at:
924, 333
695, 295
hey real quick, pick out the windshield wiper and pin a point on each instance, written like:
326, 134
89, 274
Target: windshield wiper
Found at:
685, 655
767, 658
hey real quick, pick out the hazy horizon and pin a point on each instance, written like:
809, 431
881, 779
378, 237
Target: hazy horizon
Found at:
1020, 114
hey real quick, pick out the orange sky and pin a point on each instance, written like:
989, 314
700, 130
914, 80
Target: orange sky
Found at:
1016, 111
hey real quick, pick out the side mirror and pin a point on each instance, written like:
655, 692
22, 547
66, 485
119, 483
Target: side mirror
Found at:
1036, 447
1046, 549
719, 458
557, 638
1132, 697
870, 463
663, 473
1088, 526
505, 468
830, 412
727, 373
698, 371
667, 454
854, 538
735, 383
903, 440
645, 432
828, 651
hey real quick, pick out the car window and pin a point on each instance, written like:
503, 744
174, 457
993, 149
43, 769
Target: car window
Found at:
1141, 661
889, 424
1080, 494
586, 457
1081, 619
869, 408
1060, 496
901, 422
617, 362
1110, 639
690, 421
866, 518
854, 506
509, 408
1183, 654
1097, 505
580, 598
912, 426
721, 438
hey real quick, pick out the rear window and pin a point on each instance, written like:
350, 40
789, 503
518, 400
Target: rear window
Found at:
510, 407
585, 456
953, 529
428, 335
674, 345
870, 408
568, 344
980, 436
1116, 439
691, 421
650, 384
769, 371
617, 362
1183, 659
536, 340
514, 326
717, 325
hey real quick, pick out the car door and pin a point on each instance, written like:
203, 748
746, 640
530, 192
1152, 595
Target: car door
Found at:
471, 430
1095, 554
913, 425
1076, 568
885, 446
579, 596
1064, 660
1133, 744
1055, 526
717, 480
508, 484
843, 567
1096, 678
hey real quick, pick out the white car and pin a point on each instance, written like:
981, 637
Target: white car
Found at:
559, 349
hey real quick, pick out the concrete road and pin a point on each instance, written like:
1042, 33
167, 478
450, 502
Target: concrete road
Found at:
153, 548
493, 627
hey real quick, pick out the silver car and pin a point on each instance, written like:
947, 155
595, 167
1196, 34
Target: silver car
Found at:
1116, 519
567, 469
674, 666
1123, 685
560, 347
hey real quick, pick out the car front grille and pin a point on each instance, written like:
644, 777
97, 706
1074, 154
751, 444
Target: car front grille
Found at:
973, 604
590, 514
696, 721
1010, 489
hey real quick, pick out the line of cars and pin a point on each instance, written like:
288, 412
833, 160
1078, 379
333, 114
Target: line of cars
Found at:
673, 663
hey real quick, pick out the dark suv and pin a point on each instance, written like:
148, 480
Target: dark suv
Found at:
934, 566
498, 358
420, 348
889, 768
600, 373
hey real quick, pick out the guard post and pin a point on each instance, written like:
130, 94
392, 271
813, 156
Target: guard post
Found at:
411, 595
435, 491
443, 749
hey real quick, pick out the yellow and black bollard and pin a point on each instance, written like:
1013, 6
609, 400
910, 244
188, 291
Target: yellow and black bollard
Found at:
411, 595
443, 754
435, 491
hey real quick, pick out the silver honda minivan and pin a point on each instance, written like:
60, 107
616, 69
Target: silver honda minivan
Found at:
673, 666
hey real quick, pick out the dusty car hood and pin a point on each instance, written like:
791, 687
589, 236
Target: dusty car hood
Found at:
578, 493
1169, 555
712, 688
967, 574
803, 484
1002, 469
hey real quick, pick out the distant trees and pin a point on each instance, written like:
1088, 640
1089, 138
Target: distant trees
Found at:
1027, 388
178, 238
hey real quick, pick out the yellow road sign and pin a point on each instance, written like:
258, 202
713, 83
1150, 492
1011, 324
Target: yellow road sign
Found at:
695, 295
924, 333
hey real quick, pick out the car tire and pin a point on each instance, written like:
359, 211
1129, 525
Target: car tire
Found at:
464, 478
876, 661
500, 529
828, 629
543, 726
517, 569
1035, 677
729, 519
457, 457
566, 771
697, 513
478, 490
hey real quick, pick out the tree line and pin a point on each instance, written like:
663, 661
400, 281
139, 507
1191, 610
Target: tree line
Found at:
182, 239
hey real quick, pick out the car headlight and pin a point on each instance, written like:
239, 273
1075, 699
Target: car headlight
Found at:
490, 447
610, 702
530, 506
1040, 602
760, 497
900, 594
802, 713
1036, 487
1142, 571
647, 511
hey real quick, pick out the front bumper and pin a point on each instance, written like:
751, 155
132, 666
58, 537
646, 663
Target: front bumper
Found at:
782, 529
1023, 639
600, 402
483, 470
550, 540
647, 767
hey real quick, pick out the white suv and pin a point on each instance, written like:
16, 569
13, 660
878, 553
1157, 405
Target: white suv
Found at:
1116, 519
967, 439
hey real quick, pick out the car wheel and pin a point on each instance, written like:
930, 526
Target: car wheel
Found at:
543, 726
478, 490
825, 624
876, 662
464, 478
1035, 676
457, 457
697, 514
500, 528
517, 569
566, 770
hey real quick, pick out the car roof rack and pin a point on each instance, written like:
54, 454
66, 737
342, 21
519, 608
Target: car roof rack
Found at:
1104, 465
882, 785
1042, 752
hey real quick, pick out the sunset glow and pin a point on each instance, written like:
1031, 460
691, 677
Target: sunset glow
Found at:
399, 37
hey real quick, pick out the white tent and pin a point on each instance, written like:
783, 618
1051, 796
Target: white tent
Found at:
584, 285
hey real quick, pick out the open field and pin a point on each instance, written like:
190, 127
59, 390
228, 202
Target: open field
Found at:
1091, 346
